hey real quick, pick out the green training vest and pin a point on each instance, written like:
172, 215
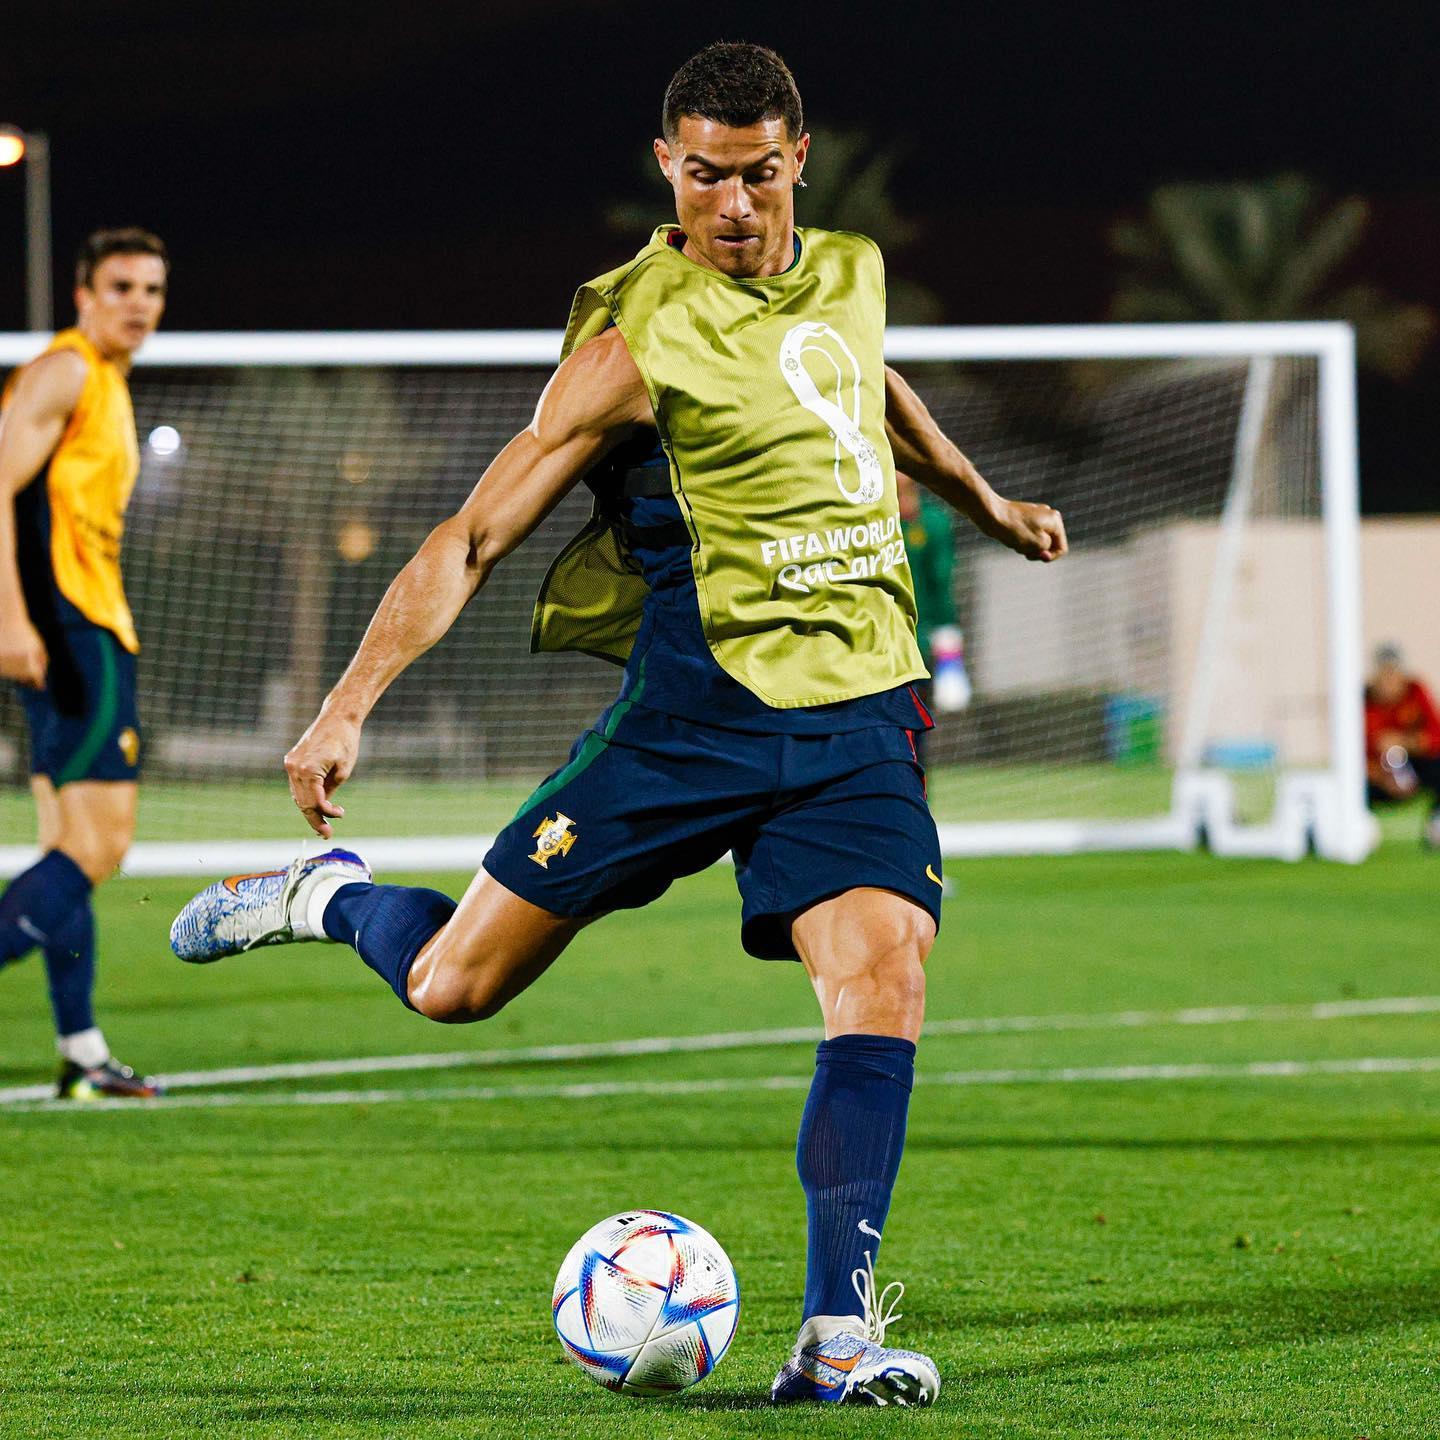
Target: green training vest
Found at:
769, 396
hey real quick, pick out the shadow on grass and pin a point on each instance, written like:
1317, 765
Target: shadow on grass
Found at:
1255, 1317
1290, 1315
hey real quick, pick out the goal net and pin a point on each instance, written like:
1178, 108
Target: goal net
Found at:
1189, 675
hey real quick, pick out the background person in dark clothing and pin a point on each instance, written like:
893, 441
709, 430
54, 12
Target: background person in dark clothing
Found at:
1402, 739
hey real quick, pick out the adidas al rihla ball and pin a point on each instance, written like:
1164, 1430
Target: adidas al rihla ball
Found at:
646, 1303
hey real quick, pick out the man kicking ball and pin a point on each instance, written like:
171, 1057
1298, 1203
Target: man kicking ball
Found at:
724, 396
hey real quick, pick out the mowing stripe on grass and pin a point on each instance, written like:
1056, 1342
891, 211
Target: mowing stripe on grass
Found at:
748, 1039
606, 1089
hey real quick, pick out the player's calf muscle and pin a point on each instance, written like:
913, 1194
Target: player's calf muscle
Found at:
453, 994
95, 824
458, 980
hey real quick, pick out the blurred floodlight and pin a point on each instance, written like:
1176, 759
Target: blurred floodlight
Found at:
164, 440
356, 541
355, 466
12, 145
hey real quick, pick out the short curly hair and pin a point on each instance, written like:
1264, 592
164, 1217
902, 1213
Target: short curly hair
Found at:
733, 83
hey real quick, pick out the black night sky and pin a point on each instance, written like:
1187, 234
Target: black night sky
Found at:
447, 165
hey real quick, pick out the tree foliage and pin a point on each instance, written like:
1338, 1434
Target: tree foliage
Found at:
1275, 249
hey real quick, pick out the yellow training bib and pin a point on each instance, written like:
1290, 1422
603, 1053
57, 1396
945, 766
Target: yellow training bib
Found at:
87, 485
769, 396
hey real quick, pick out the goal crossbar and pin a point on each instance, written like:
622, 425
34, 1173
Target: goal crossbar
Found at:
902, 343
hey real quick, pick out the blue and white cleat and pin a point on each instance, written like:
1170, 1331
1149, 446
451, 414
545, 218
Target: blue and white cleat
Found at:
270, 908
845, 1359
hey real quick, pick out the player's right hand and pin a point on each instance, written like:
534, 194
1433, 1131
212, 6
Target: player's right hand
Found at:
23, 657
319, 762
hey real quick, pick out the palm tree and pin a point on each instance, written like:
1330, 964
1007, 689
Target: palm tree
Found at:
1271, 249
847, 187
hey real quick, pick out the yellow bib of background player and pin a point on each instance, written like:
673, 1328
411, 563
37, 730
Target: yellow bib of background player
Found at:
769, 396
88, 482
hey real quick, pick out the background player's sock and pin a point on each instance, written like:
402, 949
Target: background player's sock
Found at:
38, 903
86, 1048
851, 1135
387, 925
70, 966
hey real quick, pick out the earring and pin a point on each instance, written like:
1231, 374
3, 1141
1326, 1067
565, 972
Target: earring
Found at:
800, 183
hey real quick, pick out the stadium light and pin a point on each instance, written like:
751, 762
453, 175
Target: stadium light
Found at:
33, 148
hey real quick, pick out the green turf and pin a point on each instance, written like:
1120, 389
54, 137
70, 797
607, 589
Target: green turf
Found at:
1198, 1258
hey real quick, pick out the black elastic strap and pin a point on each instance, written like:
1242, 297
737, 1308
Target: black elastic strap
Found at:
645, 482
655, 537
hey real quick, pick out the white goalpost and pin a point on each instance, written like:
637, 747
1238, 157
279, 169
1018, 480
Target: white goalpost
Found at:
1190, 676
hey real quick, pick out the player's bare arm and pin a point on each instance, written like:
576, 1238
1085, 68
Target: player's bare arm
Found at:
594, 400
923, 451
45, 397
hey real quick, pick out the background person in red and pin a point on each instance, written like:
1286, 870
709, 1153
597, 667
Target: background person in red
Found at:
1402, 738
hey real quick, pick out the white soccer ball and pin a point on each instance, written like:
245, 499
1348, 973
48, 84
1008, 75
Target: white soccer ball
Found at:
646, 1303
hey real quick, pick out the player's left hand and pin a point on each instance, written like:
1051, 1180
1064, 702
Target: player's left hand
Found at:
1035, 531
319, 762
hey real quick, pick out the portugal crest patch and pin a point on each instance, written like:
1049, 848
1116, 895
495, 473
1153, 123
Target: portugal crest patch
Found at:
553, 837
129, 743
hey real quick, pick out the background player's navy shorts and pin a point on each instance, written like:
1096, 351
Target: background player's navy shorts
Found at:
84, 724
646, 798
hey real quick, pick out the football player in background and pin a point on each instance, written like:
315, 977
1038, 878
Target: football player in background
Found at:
68, 462
1402, 739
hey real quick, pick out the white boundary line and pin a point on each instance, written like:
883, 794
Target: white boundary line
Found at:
754, 1039
1069, 1075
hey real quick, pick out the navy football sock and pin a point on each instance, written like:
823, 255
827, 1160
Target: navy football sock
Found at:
387, 926
851, 1137
70, 966
38, 903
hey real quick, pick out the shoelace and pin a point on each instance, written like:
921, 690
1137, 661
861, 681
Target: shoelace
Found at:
878, 1311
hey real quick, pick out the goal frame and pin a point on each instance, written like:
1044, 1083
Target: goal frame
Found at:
1320, 811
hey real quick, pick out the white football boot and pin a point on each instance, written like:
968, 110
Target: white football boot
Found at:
844, 1358
270, 908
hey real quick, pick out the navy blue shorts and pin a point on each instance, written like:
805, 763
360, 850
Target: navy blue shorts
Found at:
84, 724
646, 798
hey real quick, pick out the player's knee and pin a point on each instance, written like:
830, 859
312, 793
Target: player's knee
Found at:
894, 976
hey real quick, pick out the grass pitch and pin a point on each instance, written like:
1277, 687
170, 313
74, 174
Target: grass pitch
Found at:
1224, 1256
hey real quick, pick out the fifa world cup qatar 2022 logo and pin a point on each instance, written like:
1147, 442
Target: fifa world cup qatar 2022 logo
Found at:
824, 376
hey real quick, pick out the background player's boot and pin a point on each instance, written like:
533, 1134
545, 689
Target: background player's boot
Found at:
845, 1359
106, 1081
245, 911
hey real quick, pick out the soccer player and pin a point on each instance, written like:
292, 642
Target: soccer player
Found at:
724, 396
68, 461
